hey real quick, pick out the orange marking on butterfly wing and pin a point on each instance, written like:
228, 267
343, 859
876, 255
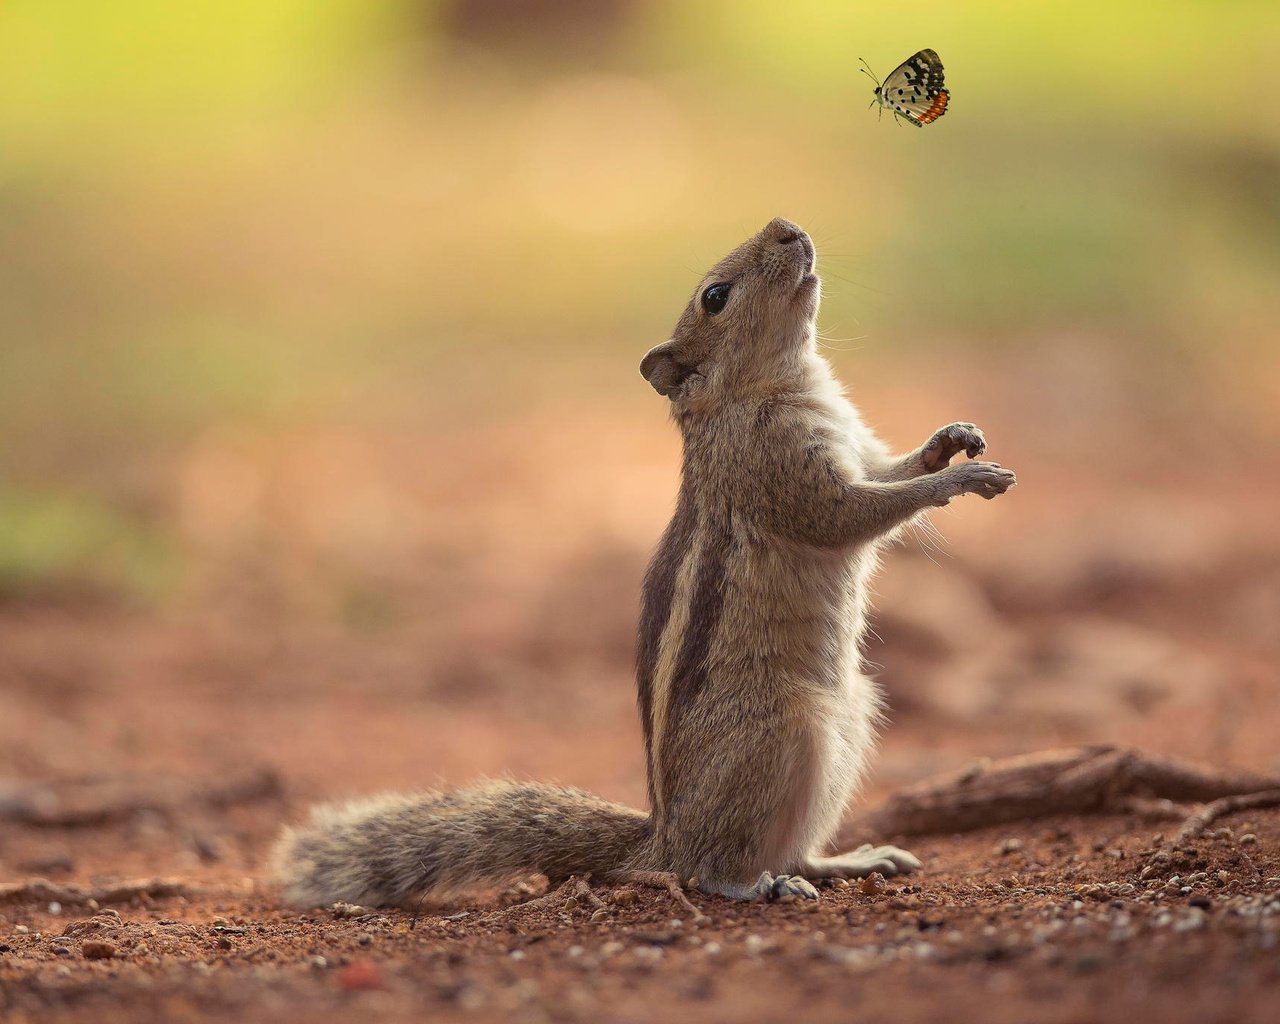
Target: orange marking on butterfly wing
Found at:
936, 109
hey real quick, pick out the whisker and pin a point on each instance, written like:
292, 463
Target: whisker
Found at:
856, 284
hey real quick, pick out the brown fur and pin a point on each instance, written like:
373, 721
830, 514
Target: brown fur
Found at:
757, 716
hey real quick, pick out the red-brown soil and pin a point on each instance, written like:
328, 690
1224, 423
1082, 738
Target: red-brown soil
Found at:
1141, 612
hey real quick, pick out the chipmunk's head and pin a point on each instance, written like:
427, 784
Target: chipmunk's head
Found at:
747, 325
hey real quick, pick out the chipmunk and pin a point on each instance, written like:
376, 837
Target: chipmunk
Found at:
758, 716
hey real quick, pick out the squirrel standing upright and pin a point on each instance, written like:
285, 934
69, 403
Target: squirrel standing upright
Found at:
758, 718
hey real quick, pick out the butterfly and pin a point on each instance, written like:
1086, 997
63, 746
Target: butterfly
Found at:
914, 89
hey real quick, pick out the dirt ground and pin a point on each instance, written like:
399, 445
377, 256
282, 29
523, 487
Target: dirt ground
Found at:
170, 745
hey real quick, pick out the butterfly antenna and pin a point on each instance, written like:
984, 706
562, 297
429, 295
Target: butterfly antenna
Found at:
866, 70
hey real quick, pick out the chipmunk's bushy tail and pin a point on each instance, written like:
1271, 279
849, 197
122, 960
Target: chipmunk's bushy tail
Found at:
388, 850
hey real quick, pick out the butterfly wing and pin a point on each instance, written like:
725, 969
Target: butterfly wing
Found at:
915, 89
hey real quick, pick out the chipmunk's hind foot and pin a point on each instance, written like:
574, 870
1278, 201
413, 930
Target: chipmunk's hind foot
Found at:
767, 888
888, 860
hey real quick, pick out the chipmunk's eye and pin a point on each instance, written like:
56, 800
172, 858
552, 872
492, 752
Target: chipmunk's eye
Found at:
714, 298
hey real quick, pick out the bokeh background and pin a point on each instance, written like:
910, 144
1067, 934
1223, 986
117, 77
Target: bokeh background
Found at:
322, 442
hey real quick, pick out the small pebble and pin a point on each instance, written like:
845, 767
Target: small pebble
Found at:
97, 949
873, 885
21, 929
755, 944
55, 907
359, 976
1248, 839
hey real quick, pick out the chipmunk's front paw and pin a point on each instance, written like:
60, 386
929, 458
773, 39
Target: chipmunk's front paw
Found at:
986, 479
950, 441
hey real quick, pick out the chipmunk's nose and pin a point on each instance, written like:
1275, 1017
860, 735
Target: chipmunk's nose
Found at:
783, 232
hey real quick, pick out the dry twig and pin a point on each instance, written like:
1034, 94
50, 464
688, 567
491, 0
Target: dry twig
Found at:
1083, 780
90, 802
41, 890
1211, 812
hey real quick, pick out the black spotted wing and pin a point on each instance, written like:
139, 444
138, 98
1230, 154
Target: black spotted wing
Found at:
915, 89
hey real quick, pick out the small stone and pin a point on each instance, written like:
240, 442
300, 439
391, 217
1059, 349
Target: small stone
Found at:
319, 963
1088, 962
343, 911
1248, 839
517, 954
755, 944
97, 949
364, 938
359, 976
624, 897
600, 915
55, 907
655, 938
873, 885
21, 929
1008, 846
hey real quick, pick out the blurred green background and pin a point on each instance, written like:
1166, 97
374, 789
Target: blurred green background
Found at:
245, 244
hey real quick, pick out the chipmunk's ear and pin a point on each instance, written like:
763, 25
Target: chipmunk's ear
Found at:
662, 368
